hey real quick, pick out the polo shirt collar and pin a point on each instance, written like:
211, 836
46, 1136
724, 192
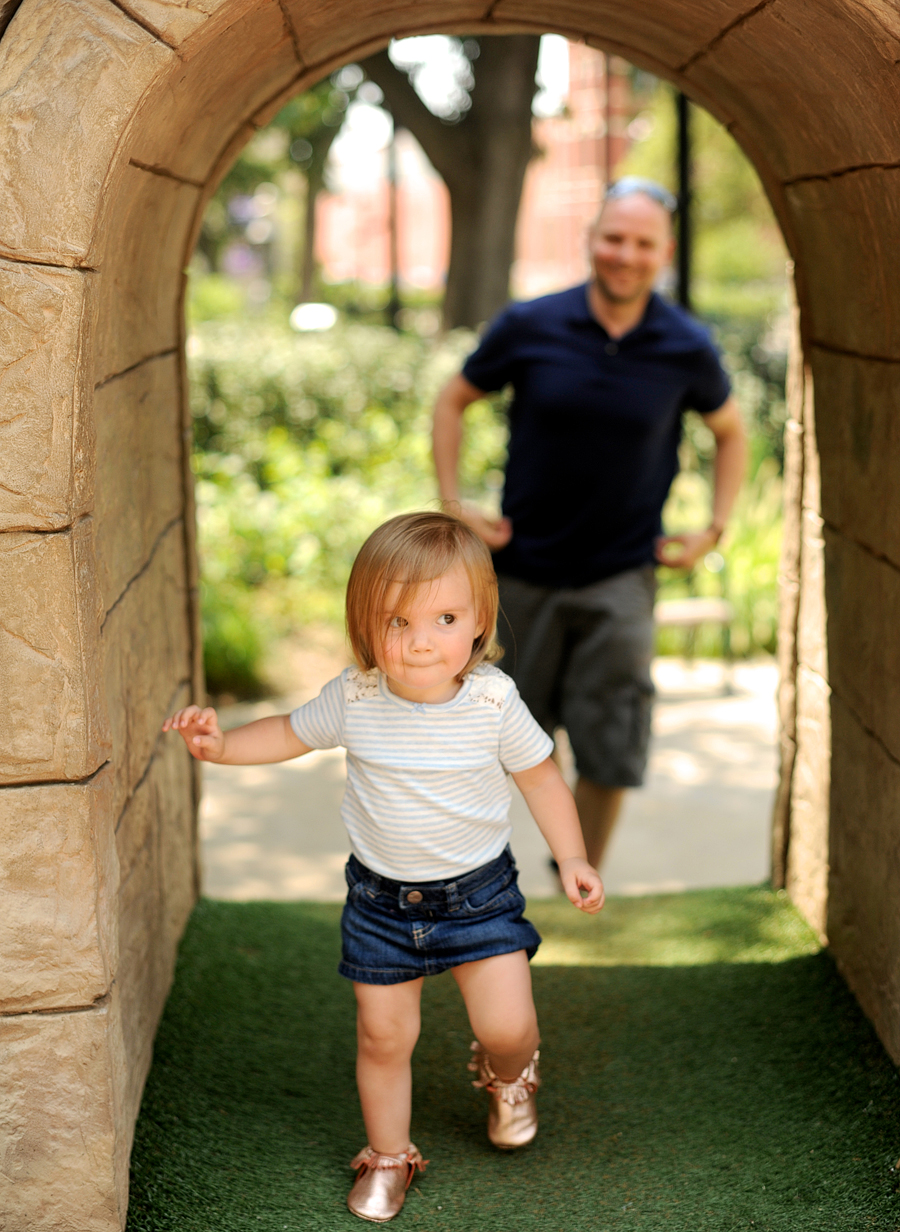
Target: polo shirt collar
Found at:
650, 322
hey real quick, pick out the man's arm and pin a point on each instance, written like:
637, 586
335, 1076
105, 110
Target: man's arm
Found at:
727, 426
446, 437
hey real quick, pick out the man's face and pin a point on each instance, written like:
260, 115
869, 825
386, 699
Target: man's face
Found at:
629, 245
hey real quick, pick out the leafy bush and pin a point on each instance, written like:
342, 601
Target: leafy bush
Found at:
304, 444
749, 575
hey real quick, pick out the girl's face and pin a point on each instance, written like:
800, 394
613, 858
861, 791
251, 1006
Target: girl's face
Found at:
428, 642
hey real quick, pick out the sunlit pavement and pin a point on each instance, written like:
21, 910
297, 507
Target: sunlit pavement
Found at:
702, 819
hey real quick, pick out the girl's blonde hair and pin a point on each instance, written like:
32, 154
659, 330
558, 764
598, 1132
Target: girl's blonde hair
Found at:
412, 549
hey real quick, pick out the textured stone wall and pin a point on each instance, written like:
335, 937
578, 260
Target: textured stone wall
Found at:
859, 438
116, 121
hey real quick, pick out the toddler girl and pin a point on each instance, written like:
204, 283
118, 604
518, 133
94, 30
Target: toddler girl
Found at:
431, 731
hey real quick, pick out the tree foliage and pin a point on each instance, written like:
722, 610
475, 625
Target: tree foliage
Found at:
304, 131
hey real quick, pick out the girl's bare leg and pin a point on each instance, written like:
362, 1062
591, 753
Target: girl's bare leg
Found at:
497, 993
387, 1027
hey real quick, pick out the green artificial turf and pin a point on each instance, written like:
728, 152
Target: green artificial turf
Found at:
704, 1068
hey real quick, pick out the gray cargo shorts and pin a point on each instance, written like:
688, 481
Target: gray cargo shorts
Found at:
581, 660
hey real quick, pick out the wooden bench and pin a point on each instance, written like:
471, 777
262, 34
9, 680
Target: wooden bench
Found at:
692, 612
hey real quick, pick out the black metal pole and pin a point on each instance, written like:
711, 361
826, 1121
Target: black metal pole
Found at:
685, 229
393, 304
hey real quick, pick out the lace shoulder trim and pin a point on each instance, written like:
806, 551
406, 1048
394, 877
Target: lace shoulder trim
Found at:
490, 686
360, 685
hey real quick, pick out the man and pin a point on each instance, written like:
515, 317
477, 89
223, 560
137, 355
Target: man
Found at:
601, 375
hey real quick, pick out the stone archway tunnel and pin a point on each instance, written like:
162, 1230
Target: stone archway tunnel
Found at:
117, 118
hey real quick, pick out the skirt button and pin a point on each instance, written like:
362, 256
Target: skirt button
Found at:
414, 896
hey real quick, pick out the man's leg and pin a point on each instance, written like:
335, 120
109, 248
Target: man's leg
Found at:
606, 697
534, 647
598, 810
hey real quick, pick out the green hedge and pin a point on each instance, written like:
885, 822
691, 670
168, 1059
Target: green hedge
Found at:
305, 443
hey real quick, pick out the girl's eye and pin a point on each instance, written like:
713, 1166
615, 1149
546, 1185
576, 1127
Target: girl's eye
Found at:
398, 622
447, 619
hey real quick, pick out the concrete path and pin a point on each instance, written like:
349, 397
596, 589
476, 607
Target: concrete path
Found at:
702, 819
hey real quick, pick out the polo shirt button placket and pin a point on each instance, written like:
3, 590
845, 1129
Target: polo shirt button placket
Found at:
611, 348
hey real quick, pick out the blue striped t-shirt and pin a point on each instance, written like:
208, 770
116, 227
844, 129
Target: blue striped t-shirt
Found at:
427, 796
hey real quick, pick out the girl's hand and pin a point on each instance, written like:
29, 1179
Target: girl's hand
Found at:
200, 731
577, 875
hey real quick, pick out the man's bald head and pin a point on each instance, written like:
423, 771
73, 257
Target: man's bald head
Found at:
657, 197
630, 243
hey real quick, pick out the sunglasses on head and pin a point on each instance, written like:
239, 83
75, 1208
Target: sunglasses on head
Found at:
637, 184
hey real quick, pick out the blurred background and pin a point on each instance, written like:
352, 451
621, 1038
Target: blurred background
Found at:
334, 288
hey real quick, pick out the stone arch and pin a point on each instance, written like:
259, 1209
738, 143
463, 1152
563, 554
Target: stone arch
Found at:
117, 117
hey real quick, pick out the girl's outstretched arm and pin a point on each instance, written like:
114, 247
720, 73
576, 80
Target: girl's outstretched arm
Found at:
255, 744
553, 808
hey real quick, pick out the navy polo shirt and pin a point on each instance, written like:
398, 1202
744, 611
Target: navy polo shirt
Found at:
595, 424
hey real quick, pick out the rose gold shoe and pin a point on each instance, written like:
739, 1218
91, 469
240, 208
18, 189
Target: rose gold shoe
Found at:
379, 1190
512, 1116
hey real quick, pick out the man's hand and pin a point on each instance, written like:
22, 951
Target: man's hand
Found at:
576, 876
683, 551
200, 731
496, 532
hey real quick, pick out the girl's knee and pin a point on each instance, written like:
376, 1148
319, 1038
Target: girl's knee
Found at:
505, 1038
388, 1038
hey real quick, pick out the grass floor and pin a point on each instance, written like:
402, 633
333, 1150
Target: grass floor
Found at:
704, 1068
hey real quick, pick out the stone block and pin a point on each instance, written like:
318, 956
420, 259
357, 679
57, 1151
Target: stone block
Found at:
140, 481
146, 649
789, 576
175, 21
332, 30
65, 1144
46, 445
226, 73
58, 880
807, 853
855, 219
858, 429
844, 90
863, 596
52, 712
812, 477
155, 839
863, 920
145, 226
781, 810
69, 81
792, 498
812, 648
668, 33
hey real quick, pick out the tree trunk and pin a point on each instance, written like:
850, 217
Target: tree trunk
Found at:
308, 259
482, 160
321, 141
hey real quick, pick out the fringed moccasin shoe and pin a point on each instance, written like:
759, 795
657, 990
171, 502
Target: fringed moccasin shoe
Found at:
379, 1190
512, 1116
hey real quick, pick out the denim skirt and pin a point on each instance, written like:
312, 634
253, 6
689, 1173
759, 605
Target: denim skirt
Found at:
393, 931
